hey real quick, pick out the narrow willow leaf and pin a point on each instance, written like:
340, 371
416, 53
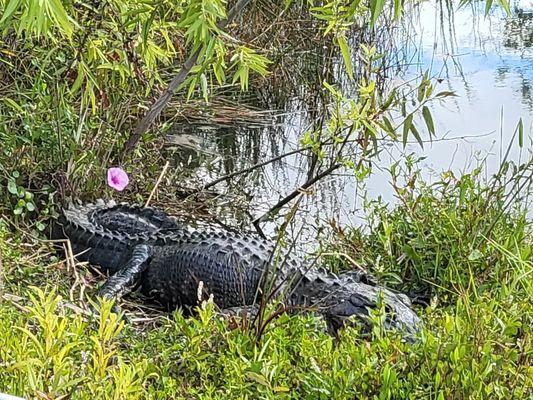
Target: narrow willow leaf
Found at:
192, 86
376, 6
331, 89
398, 8
13, 104
345, 51
429, 120
389, 100
505, 5
429, 90
219, 74
404, 109
421, 91
90, 90
415, 133
488, 5
210, 48
146, 28
370, 129
521, 133
406, 127
446, 94
60, 16
389, 128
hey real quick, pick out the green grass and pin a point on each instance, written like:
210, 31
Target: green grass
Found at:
476, 342
459, 235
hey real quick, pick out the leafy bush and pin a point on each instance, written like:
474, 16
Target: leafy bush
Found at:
455, 236
481, 349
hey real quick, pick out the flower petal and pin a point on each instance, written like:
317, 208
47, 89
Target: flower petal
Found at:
117, 178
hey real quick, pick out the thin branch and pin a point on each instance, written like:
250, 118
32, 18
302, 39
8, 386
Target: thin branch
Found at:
158, 182
293, 194
158, 106
250, 169
259, 165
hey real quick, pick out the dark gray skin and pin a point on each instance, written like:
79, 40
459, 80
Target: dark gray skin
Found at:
178, 267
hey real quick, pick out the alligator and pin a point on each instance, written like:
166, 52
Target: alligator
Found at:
177, 267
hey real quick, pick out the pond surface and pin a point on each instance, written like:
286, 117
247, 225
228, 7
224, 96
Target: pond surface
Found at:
486, 60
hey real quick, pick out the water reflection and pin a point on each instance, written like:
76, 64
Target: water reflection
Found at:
471, 55
486, 60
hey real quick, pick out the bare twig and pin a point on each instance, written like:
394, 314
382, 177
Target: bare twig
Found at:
350, 259
293, 194
251, 168
158, 182
15, 302
155, 110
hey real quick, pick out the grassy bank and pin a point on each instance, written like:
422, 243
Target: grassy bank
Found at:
460, 240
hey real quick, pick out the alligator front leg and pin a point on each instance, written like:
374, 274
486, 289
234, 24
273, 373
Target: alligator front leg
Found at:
122, 281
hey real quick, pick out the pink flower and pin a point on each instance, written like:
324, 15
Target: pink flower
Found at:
117, 178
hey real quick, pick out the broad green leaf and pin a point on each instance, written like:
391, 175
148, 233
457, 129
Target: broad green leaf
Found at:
428, 119
346, 55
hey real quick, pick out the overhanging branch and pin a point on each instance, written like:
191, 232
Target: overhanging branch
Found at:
159, 105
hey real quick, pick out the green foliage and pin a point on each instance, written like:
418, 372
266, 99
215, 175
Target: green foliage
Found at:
367, 117
51, 351
457, 236
479, 349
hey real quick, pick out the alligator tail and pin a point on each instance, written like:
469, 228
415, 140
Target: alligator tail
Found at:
104, 233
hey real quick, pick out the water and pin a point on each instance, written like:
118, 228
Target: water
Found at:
486, 61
